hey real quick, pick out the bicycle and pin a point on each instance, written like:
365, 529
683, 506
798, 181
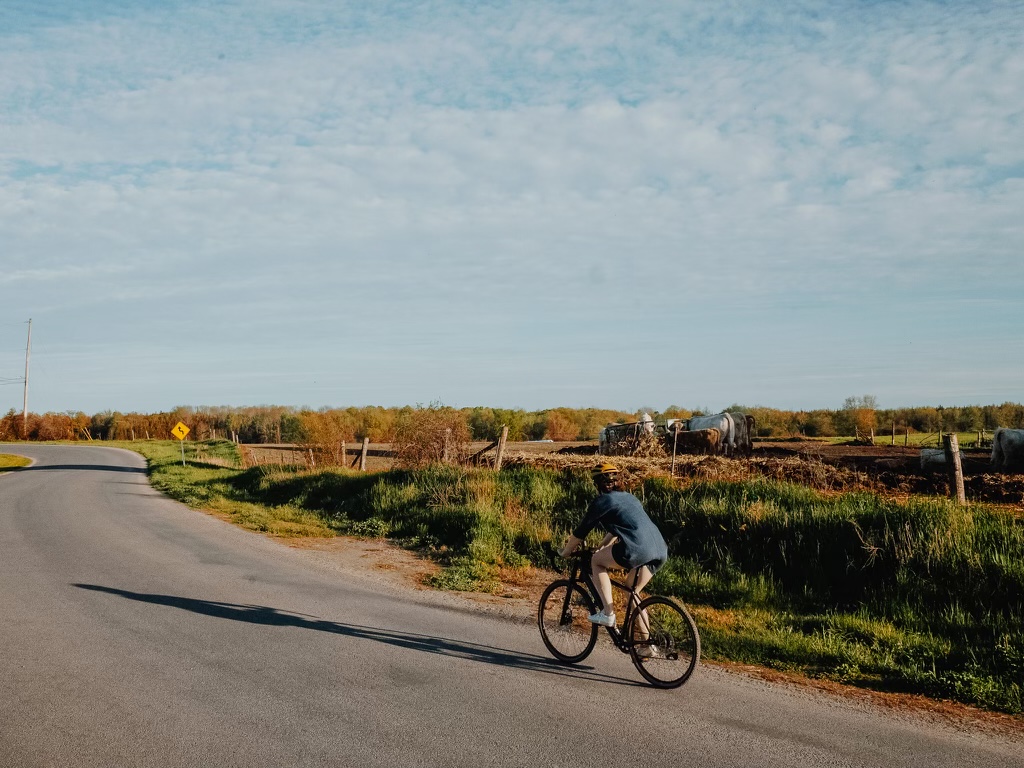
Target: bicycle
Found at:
659, 634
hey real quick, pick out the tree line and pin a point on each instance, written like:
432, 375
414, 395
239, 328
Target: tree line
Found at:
281, 424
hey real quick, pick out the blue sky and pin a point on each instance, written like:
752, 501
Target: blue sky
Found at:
531, 204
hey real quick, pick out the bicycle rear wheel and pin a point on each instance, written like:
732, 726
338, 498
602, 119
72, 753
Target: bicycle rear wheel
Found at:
563, 623
664, 644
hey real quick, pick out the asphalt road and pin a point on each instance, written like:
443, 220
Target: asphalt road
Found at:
136, 632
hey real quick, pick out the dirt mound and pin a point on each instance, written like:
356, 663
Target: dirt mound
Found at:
823, 468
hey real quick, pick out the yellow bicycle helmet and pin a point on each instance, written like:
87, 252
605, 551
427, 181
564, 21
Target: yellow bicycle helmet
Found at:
604, 468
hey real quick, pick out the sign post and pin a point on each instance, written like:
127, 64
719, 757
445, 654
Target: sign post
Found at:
180, 431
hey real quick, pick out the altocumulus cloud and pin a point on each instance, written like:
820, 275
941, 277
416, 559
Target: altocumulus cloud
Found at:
509, 194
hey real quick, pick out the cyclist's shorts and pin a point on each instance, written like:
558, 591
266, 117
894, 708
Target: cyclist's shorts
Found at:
630, 560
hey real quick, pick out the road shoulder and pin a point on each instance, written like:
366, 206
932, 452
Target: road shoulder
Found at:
388, 566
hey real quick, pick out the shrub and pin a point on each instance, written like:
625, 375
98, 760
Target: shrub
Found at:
431, 435
560, 426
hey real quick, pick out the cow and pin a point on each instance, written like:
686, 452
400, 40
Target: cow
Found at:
701, 441
725, 425
646, 424
934, 459
1008, 450
744, 431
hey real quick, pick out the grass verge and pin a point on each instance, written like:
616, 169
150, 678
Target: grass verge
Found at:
207, 480
9, 462
921, 596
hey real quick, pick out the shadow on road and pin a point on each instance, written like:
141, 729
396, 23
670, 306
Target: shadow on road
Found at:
83, 467
258, 614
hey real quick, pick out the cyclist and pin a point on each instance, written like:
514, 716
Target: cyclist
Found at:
633, 542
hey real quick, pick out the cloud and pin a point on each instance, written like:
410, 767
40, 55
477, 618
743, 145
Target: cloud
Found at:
449, 162
67, 272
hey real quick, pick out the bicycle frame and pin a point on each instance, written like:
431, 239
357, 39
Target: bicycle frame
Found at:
580, 573
656, 630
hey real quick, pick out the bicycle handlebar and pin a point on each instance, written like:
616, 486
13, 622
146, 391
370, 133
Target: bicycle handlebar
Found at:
552, 553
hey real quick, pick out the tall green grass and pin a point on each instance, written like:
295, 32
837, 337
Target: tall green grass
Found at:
922, 595
474, 521
919, 596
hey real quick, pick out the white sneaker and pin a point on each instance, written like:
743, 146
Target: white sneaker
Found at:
602, 618
649, 652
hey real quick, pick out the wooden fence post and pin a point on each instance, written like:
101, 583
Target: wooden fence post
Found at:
951, 444
344, 454
894, 433
362, 455
500, 455
675, 443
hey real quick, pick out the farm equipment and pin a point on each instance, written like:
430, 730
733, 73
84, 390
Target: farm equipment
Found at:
638, 438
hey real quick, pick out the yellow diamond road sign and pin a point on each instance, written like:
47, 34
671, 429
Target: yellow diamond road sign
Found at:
180, 430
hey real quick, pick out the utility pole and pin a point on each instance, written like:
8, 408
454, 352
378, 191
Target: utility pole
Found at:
28, 352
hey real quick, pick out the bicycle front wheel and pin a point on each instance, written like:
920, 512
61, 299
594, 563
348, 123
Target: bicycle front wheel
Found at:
664, 644
562, 618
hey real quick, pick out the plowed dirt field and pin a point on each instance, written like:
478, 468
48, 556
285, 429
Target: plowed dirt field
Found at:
891, 470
